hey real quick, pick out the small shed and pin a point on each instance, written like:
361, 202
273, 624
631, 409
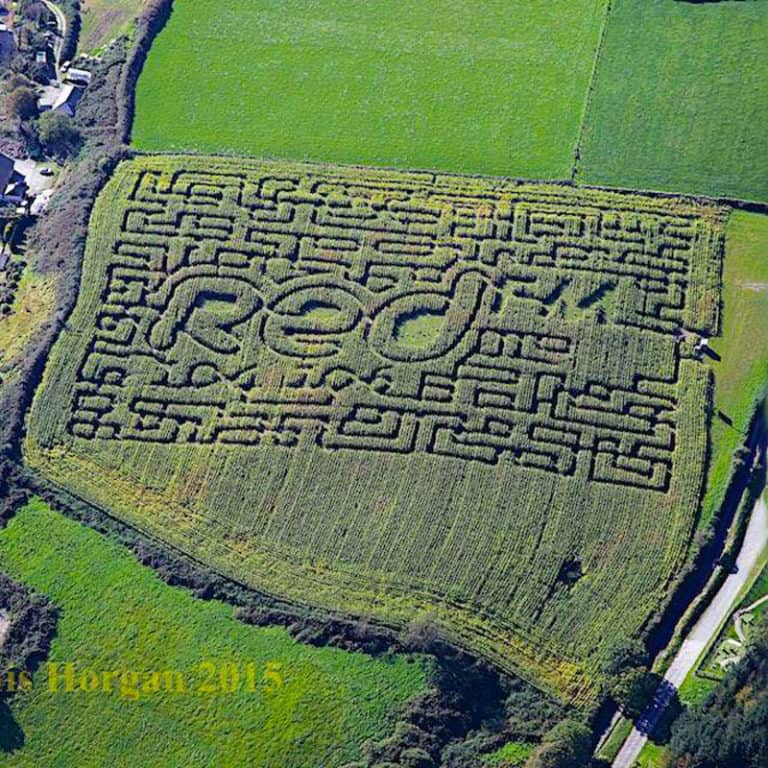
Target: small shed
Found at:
78, 76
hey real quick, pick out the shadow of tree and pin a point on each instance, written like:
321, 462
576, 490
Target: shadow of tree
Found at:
662, 733
661, 711
11, 735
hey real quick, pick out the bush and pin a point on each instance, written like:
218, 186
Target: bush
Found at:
22, 103
32, 626
58, 134
567, 745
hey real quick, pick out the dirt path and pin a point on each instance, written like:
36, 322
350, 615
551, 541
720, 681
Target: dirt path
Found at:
705, 630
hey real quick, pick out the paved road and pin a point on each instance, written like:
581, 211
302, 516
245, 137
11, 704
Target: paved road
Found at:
755, 542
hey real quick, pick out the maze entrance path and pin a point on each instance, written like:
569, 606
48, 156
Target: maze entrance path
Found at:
384, 392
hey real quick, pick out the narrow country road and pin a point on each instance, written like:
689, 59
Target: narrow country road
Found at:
755, 542
61, 21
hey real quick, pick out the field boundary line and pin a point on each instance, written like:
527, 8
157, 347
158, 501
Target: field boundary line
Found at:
590, 90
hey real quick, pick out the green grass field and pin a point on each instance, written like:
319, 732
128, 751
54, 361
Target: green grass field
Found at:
759, 589
741, 373
314, 707
447, 85
234, 381
680, 101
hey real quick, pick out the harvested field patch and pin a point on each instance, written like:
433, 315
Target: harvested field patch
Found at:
103, 20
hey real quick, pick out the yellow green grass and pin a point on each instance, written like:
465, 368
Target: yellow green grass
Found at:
309, 706
512, 755
33, 303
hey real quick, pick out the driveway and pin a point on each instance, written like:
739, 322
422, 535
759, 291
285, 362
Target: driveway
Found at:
36, 182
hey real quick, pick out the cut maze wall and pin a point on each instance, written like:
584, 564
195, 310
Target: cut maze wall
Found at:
267, 307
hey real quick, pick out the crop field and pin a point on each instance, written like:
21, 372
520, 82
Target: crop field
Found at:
294, 705
442, 85
680, 99
388, 393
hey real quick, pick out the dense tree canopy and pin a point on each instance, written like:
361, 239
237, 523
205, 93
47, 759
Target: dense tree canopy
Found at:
730, 728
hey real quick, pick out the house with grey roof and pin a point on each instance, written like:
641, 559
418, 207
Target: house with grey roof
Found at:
65, 100
6, 173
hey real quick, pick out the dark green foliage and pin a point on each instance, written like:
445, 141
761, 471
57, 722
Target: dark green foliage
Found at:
71, 9
22, 103
627, 679
567, 745
730, 728
32, 626
11, 277
529, 714
450, 725
58, 134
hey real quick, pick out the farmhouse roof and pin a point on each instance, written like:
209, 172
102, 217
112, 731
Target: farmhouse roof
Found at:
7, 42
48, 97
6, 171
68, 100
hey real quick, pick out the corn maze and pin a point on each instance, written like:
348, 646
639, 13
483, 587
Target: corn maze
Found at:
343, 315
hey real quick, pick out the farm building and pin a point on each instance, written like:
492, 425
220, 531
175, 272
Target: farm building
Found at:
6, 173
7, 43
13, 186
77, 76
63, 99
